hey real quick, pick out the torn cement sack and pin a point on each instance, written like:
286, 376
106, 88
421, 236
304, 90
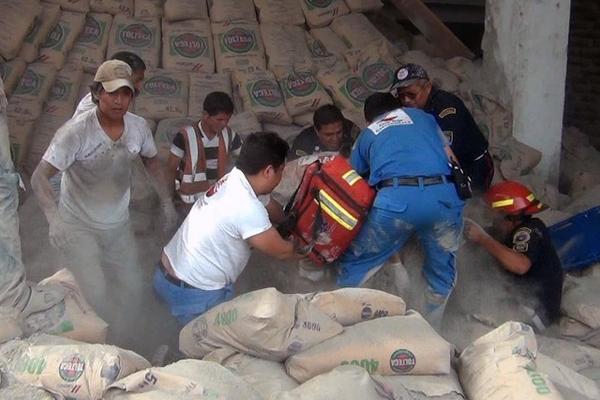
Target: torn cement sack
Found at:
78, 371
62, 99
356, 30
90, 47
179, 10
164, 94
185, 379
72, 318
501, 365
188, 46
347, 89
33, 89
359, 6
151, 8
349, 306
387, 346
321, 13
262, 95
571, 384
43, 25
422, 387
245, 123
346, 382
285, 45
201, 84
264, 323
114, 7
238, 46
17, 19
11, 73
137, 35
302, 92
375, 65
286, 12
60, 41
231, 10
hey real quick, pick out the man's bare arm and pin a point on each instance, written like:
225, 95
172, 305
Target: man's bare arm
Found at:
163, 189
40, 183
272, 244
275, 211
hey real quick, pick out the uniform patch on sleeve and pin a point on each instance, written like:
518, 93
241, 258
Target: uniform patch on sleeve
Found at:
447, 111
449, 135
521, 240
521, 247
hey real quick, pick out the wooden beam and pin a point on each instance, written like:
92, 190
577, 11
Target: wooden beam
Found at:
433, 28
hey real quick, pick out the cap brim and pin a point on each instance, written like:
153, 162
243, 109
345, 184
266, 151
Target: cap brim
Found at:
404, 84
116, 84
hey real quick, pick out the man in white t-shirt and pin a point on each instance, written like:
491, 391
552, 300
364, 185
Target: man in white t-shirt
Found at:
200, 264
95, 150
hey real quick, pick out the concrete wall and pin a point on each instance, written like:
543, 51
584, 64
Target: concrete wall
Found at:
525, 56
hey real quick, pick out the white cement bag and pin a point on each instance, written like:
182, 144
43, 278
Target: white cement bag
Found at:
286, 132
245, 123
148, 8
62, 99
264, 323
238, 46
43, 132
183, 380
347, 89
19, 391
302, 92
349, 306
178, 10
90, 47
262, 95
16, 19
287, 12
165, 133
319, 55
501, 366
231, 10
387, 346
33, 89
285, 45
581, 300
375, 65
11, 73
304, 120
201, 84
137, 35
332, 42
75, 371
80, 6
424, 387
572, 354
113, 7
570, 384
188, 46
356, 30
19, 137
60, 41
43, 25
358, 6
164, 94
320, 13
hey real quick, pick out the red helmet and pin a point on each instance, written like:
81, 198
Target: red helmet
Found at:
513, 198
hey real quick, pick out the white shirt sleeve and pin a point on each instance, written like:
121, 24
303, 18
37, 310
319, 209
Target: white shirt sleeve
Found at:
148, 149
253, 220
63, 148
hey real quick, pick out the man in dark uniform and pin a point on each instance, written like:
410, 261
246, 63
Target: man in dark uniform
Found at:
414, 89
330, 132
528, 251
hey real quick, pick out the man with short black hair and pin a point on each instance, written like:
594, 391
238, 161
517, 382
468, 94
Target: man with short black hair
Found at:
200, 264
330, 132
202, 153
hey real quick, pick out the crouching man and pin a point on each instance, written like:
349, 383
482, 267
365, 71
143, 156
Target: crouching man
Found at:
200, 264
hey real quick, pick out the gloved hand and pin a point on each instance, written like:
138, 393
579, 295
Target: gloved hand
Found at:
170, 214
57, 233
473, 231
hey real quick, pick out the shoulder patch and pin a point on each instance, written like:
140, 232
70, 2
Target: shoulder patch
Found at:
521, 247
449, 135
447, 111
394, 118
522, 235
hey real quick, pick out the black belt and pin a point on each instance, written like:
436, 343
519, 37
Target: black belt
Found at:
415, 181
172, 279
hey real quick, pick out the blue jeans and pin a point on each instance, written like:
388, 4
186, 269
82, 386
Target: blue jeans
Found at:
185, 304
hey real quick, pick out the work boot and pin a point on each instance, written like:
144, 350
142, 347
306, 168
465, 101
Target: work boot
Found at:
40, 298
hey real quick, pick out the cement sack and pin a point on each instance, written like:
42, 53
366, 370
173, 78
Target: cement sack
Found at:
183, 380
24, 392
574, 355
332, 42
90, 47
43, 25
286, 132
463, 68
350, 306
33, 89
164, 94
231, 10
114, 7
285, 45
20, 132
501, 366
347, 89
387, 346
359, 6
570, 384
245, 123
188, 46
356, 30
43, 132
375, 65
286, 12
304, 120
302, 92
584, 201
179, 10
201, 84
17, 19
319, 55
165, 133
356, 116
60, 41
238, 46
262, 95
75, 371
581, 300
492, 118
320, 13
517, 158
137, 35
62, 99
264, 323
11, 73
346, 382
72, 318
423, 387
444, 79
80, 6
148, 8
84, 87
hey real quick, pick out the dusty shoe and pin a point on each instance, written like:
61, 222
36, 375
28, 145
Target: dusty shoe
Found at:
42, 298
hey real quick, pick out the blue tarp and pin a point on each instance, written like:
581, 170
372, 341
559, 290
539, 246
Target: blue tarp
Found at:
577, 240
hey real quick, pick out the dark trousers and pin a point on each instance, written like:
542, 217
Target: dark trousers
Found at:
481, 172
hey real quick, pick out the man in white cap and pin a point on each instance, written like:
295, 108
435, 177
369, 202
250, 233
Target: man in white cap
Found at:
95, 150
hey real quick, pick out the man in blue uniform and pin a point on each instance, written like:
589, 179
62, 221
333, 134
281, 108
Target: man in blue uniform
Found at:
414, 89
402, 153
